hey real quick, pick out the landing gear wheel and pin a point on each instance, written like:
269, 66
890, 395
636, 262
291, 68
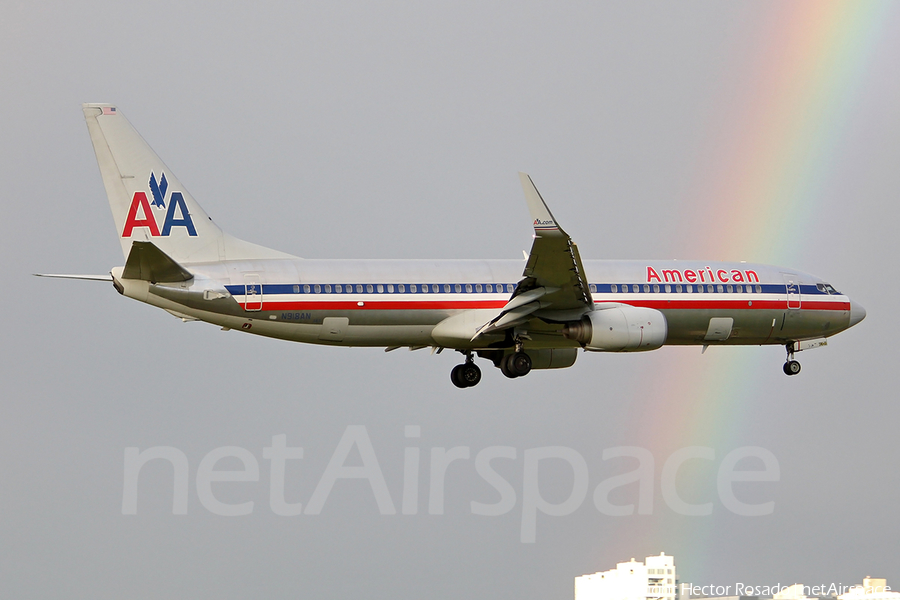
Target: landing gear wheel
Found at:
456, 376
465, 375
470, 374
791, 367
520, 364
505, 367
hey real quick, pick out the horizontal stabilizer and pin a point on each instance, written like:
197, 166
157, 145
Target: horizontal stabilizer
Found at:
148, 263
84, 277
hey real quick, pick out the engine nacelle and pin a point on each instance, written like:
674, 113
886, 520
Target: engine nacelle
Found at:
619, 329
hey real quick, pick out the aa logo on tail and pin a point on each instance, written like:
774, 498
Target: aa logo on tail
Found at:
141, 204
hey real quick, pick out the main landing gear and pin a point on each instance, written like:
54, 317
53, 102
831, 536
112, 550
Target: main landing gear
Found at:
791, 366
517, 364
467, 374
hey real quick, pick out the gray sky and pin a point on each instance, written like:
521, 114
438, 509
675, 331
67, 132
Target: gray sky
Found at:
744, 131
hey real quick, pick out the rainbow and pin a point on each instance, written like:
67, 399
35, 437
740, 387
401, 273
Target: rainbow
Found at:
766, 164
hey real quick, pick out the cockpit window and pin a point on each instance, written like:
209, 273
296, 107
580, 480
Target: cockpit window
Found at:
827, 288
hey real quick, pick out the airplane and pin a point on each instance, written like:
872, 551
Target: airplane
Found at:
521, 318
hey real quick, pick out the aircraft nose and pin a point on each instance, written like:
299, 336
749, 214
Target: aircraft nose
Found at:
857, 313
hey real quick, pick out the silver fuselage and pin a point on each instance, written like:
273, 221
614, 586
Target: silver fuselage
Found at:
383, 303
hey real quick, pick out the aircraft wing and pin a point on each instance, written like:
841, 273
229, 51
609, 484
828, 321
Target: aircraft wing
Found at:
553, 281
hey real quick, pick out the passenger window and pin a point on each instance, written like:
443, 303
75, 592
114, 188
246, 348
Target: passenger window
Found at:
635, 288
380, 288
338, 288
655, 288
646, 288
359, 288
677, 288
759, 289
457, 288
478, 288
710, 289
318, 288
401, 288
728, 288
489, 287
719, 288
436, 288
390, 288
306, 289
369, 288
593, 288
296, 289
424, 288
614, 288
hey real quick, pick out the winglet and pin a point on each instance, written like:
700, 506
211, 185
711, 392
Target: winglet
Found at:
544, 223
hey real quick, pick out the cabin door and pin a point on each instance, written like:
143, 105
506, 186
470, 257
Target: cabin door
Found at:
253, 292
793, 290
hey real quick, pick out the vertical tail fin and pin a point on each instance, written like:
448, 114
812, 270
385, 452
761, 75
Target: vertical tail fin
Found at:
149, 203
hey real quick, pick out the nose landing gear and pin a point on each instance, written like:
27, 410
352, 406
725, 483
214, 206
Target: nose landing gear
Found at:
791, 366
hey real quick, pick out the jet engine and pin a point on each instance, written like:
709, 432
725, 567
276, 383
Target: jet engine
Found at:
619, 329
